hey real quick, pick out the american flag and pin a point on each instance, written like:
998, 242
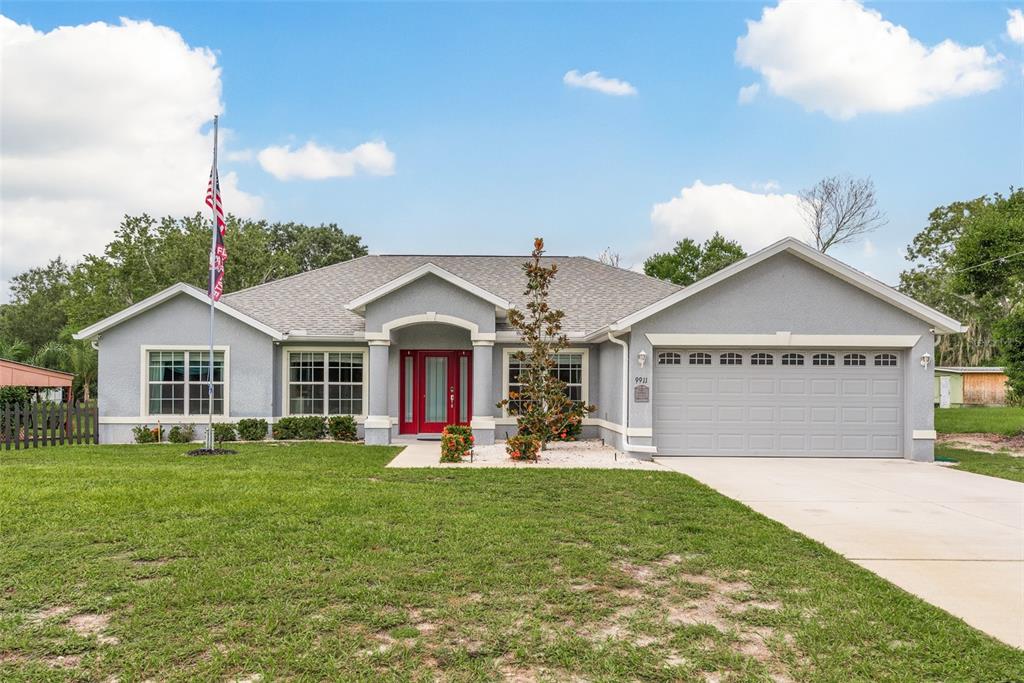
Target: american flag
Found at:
219, 253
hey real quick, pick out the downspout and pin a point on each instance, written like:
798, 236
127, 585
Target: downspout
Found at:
627, 446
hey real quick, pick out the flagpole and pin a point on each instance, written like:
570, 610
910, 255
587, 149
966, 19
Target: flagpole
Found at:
213, 276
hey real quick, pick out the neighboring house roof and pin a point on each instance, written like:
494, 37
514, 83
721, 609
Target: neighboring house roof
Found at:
963, 370
941, 322
591, 294
159, 298
15, 374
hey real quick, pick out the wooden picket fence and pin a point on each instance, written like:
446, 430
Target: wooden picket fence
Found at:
31, 425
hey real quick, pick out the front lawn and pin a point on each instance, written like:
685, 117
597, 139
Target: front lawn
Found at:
993, 464
313, 562
1008, 421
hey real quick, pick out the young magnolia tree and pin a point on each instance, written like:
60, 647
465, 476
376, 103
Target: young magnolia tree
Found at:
542, 408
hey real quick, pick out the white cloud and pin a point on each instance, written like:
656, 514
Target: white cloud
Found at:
842, 58
1015, 26
593, 80
748, 93
240, 155
753, 219
313, 162
100, 120
766, 186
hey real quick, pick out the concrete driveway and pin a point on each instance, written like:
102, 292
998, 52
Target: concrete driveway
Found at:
952, 538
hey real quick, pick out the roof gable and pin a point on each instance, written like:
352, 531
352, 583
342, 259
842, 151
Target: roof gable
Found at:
852, 276
359, 303
162, 296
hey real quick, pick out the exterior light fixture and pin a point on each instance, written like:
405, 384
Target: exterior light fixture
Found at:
926, 358
641, 358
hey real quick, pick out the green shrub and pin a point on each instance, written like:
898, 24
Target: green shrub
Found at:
223, 431
308, 427
181, 434
252, 429
523, 447
456, 443
13, 395
342, 427
144, 434
572, 430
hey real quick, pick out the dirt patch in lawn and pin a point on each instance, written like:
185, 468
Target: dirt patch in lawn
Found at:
91, 624
49, 613
985, 443
671, 598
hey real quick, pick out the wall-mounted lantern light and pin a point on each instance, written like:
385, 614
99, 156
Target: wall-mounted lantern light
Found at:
641, 358
926, 358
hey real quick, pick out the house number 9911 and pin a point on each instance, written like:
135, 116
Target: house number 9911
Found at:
641, 380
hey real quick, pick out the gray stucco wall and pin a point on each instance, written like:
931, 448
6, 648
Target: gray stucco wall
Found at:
786, 293
430, 294
181, 321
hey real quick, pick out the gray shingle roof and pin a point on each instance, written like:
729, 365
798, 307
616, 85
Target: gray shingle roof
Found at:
591, 293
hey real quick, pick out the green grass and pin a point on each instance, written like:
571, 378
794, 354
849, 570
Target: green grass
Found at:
1008, 421
313, 562
992, 464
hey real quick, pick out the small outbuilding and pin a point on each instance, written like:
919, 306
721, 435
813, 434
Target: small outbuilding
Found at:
15, 374
970, 386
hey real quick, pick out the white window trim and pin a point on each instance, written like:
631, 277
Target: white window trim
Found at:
285, 350
144, 350
506, 356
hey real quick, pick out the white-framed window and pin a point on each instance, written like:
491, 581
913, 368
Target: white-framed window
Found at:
855, 360
571, 366
885, 360
325, 381
762, 359
670, 358
700, 358
823, 359
175, 380
731, 358
792, 359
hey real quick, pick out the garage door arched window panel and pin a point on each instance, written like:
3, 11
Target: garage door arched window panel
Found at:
762, 359
885, 360
670, 358
792, 359
731, 359
700, 358
855, 360
823, 360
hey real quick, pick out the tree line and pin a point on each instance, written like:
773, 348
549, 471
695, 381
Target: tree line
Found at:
49, 303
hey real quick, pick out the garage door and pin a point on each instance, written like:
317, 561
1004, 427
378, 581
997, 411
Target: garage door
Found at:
767, 402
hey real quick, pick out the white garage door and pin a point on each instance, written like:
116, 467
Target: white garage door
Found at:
768, 402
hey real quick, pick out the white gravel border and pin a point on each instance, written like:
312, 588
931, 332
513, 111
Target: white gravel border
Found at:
585, 454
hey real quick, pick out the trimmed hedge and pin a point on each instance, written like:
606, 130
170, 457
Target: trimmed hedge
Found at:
181, 434
342, 427
223, 431
148, 434
307, 427
252, 429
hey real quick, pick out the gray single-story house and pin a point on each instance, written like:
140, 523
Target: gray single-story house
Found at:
787, 352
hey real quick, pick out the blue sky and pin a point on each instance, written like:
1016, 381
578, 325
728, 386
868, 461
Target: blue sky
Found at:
491, 146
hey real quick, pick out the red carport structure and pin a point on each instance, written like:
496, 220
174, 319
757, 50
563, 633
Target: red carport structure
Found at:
14, 374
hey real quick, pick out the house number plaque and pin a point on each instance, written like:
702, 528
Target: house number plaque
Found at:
641, 393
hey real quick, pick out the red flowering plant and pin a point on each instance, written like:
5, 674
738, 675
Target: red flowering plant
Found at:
542, 407
456, 443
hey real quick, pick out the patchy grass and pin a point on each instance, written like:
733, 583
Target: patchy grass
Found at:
312, 562
992, 464
1008, 421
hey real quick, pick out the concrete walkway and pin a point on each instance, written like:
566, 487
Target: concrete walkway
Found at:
952, 538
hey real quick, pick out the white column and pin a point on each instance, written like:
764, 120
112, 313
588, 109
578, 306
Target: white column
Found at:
483, 392
377, 429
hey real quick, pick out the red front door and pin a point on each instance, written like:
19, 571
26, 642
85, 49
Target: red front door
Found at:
436, 390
